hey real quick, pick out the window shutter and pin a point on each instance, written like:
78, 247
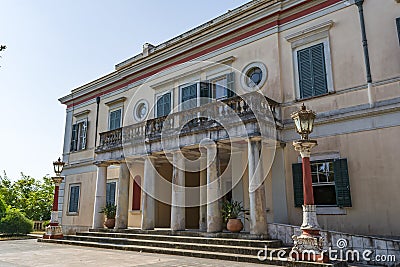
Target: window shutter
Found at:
342, 183
74, 138
298, 184
118, 115
312, 71
319, 70
230, 81
83, 134
398, 28
110, 193
74, 199
205, 91
188, 93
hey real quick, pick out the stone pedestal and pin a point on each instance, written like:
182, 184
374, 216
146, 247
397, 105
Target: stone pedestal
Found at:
54, 230
121, 218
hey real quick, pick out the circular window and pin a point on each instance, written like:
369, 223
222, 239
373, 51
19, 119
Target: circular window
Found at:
141, 110
254, 76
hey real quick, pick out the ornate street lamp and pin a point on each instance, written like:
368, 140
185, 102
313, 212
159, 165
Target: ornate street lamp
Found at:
54, 230
309, 245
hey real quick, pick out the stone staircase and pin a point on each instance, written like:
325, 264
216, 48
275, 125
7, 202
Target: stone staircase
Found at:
223, 246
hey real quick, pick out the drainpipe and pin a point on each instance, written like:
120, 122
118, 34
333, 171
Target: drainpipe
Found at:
359, 4
97, 120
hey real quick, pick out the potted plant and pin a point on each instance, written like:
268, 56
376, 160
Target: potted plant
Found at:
231, 213
109, 210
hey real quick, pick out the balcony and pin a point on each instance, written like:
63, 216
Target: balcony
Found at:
239, 116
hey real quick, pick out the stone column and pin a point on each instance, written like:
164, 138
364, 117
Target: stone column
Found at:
214, 216
258, 214
121, 218
178, 194
100, 197
148, 202
203, 200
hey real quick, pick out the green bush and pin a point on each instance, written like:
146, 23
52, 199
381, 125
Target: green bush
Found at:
15, 222
3, 208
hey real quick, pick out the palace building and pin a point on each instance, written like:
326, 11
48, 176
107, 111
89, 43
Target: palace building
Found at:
204, 118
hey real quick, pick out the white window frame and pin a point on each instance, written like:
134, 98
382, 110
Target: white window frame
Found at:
109, 115
223, 76
160, 94
306, 38
116, 189
69, 199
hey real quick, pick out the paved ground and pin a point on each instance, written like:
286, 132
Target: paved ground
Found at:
18, 253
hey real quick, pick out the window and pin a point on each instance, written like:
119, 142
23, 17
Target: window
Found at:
398, 28
110, 193
255, 76
73, 206
163, 106
78, 137
331, 186
141, 109
217, 88
115, 119
137, 193
312, 71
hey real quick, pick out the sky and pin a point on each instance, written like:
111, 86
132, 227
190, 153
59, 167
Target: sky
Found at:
56, 46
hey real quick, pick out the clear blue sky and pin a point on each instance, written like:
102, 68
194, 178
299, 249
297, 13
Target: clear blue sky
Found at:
55, 46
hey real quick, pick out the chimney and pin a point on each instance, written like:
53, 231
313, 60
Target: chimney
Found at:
146, 49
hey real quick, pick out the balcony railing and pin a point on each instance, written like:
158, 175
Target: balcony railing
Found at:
211, 116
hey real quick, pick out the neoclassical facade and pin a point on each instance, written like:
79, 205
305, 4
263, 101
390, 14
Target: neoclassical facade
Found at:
205, 118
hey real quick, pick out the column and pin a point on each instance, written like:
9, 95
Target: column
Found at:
258, 214
203, 200
214, 216
121, 218
178, 194
100, 197
148, 202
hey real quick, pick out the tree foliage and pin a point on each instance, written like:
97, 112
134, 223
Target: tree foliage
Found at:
32, 197
15, 222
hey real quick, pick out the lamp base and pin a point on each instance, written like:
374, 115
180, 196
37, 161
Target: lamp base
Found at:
53, 232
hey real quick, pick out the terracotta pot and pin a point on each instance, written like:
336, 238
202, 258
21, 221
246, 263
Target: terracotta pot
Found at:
234, 225
109, 223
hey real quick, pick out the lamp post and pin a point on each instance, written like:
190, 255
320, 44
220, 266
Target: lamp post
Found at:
309, 245
54, 230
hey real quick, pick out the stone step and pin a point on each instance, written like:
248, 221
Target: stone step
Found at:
189, 239
192, 253
177, 244
191, 233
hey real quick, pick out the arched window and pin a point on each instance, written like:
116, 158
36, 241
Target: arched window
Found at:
137, 193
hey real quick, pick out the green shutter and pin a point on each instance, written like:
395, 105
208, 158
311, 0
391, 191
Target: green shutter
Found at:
205, 92
298, 184
398, 28
230, 81
342, 183
74, 138
187, 94
312, 71
74, 199
110, 193
164, 105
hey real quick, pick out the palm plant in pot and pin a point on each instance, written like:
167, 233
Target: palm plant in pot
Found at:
231, 213
109, 211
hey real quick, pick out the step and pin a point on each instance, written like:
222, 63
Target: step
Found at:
189, 239
174, 244
191, 253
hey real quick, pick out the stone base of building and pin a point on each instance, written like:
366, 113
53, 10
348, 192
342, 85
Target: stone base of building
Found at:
309, 247
53, 232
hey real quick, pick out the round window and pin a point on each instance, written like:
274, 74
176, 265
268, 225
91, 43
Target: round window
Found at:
254, 76
141, 110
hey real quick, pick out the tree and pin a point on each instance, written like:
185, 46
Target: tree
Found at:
32, 197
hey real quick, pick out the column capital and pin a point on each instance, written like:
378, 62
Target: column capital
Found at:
304, 147
101, 163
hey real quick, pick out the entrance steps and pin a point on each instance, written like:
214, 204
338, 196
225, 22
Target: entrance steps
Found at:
224, 246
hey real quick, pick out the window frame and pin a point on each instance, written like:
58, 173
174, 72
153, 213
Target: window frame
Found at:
115, 191
138, 185
328, 67
160, 94
111, 110
73, 213
80, 123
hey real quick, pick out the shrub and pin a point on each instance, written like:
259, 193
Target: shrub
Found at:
3, 208
15, 222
